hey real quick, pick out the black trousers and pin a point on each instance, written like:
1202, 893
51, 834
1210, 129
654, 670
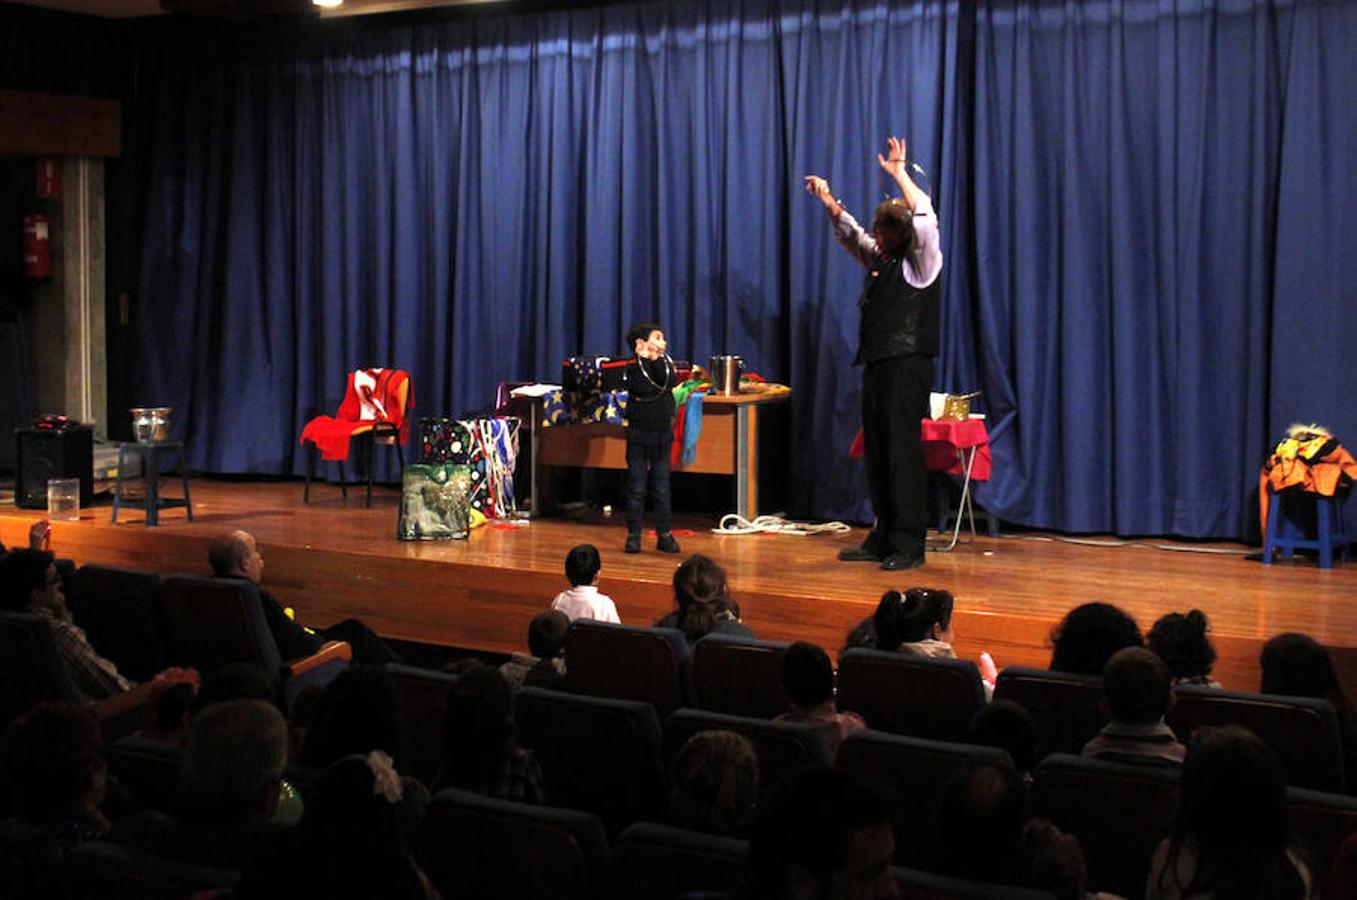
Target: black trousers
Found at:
894, 401
648, 463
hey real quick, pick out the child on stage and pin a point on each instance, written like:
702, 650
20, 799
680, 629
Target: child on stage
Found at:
650, 382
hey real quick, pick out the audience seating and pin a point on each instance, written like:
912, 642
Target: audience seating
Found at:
1303, 731
916, 770
739, 676
1119, 811
1067, 707
119, 610
31, 667
421, 703
210, 622
149, 769
114, 872
651, 861
628, 662
478, 848
917, 885
904, 693
597, 754
780, 745
1320, 823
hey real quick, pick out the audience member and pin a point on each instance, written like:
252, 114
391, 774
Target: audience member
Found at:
1009, 726
1052, 861
714, 783
1229, 837
582, 600
1087, 637
923, 622
1181, 642
703, 601
1136, 695
823, 834
1296, 665
808, 679
54, 774
236, 681
350, 845
544, 664
357, 714
480, 752
29, 583
236, 555
229, 788
979, 823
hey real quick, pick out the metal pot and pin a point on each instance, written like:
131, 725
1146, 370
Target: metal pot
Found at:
151, 424
725, 375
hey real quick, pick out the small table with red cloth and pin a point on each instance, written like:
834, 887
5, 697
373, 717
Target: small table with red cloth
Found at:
957, 447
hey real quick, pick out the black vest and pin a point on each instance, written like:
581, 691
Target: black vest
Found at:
650, 404
897, 318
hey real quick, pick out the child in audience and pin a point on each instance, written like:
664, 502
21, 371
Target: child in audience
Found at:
582, 600
923, 622
1230, 835
714, 782
544, 664
1009, 726
1087, 637
1181, 642
703, 601
1136, 693
480, 751
808, 678
1297, 666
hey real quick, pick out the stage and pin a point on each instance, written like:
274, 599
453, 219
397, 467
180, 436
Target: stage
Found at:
334, 559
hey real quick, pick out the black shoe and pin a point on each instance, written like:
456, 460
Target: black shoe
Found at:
898, 562
859, 554
633, 544
666, 543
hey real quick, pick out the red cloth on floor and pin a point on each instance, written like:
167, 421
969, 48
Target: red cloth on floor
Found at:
372, 397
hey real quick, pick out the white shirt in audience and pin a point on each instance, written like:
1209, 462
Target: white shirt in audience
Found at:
583, 601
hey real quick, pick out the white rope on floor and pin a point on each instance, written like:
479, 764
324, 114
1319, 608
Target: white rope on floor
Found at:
732, 523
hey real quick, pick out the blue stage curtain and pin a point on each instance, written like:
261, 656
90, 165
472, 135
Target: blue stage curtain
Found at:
1145, 206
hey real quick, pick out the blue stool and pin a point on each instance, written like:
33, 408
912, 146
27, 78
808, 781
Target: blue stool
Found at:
149, 453
1306, 521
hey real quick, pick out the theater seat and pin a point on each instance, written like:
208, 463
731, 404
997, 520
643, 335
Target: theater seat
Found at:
1302, 731
739, 676
628, 662
597, 754
1067, 707
31, 668
917, 885
478, 848
651, 860
421, 704
114, 872
119, 610
1320, 822
780, 745
904, 693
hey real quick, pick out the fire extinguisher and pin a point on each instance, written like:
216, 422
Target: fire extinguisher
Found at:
37, 247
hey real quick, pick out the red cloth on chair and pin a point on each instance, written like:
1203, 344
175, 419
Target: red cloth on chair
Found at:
372, 397
941, 439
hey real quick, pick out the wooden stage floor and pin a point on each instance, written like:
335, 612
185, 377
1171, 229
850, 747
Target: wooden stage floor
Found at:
333, 559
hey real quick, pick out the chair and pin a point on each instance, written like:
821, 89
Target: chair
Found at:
917, 885
1320, 822
597, 754
149, 769
904, 693
651, 860
739, 676
916, 770
628, 662
1119, 811
1297, 520
376, 409
31, 667
479, 848
780, 745
1067, 707
210, 622
119, 611
106, 870
1302, 731
421, 703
